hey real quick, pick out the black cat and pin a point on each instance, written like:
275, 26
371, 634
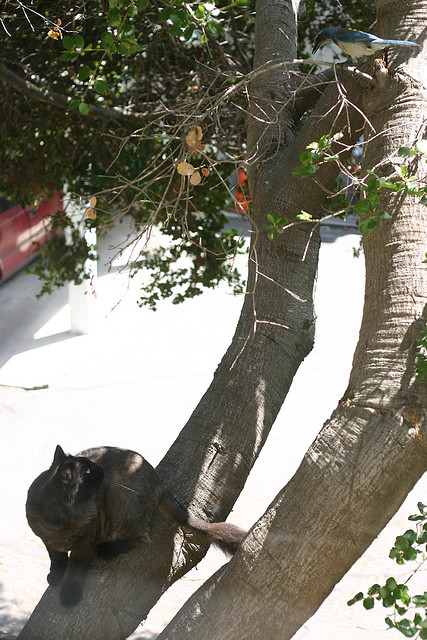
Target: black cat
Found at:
102, 501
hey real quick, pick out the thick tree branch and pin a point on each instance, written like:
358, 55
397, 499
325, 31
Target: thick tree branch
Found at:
373, 449
62, 101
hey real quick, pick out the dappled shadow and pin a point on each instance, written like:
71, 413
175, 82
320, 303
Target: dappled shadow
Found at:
22, 315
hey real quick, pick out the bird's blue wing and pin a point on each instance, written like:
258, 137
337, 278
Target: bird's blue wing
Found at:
351, 35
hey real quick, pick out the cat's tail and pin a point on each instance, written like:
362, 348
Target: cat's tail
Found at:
222, 534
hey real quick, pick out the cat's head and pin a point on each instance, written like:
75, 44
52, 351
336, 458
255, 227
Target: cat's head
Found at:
78, 478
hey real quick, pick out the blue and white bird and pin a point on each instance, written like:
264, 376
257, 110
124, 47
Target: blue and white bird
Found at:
356, 44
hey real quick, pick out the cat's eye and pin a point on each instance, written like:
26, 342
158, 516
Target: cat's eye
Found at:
87, 471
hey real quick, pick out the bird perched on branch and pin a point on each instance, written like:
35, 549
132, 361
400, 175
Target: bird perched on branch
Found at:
356, 44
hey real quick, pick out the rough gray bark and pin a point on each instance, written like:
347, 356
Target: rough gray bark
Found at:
372, 450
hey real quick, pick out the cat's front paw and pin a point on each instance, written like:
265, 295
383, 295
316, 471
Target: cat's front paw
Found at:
71, 593
56, 574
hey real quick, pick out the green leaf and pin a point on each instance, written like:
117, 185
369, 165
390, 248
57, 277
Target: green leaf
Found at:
324, 142
101, 86
179, 18
374, 589
84, 73
410, 535
188, 33
306, 158
356, 598
419, 601
401, 610
69, 55
200, 11
73, 104
391, 584
175, 30
304, 215
79, 42
406, 627
383, 592
107, 38
67, 41
386, 184
114, 17
164, 14
84, 109
374, 199
213, 27
401, 543
383, 214
305, 172
405, 152
410, 554
362, 206
369, 603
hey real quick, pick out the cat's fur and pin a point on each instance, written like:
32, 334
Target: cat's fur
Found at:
102, 501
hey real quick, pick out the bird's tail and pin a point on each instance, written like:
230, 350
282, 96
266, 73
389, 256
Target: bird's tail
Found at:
401, 43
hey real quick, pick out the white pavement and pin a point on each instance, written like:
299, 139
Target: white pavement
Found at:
133, 381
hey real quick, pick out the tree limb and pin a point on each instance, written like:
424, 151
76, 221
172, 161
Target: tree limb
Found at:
61, 101
372, 450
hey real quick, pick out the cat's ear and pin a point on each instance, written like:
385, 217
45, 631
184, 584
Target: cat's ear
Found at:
59, 455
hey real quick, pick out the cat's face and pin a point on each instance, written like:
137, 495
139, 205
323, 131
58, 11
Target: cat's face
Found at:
77, 478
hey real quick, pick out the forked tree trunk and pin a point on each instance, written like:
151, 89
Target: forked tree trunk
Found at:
209, 462
372, 450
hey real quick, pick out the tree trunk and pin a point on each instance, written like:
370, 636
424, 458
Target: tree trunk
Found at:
372, 450
208, 464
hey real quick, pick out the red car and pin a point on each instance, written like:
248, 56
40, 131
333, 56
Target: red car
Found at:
20, 231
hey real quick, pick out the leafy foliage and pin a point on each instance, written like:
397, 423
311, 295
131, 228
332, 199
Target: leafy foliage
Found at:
62, 258
411, 546
103, 98
368, 203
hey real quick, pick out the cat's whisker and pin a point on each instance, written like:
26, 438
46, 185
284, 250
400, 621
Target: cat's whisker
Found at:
123, 486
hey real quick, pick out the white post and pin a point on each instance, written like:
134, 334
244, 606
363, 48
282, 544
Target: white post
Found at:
81, 298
